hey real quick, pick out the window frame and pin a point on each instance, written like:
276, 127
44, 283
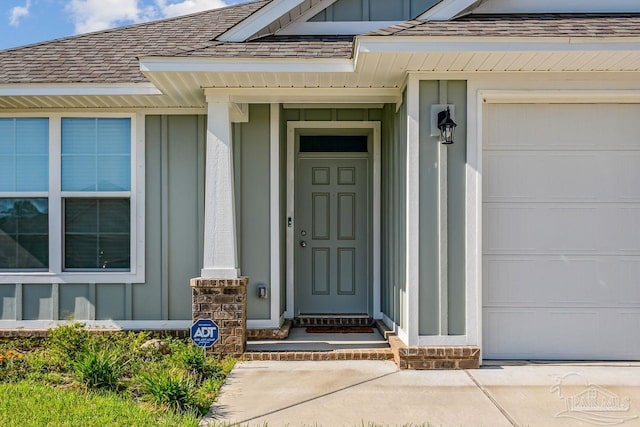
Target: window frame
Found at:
55, 196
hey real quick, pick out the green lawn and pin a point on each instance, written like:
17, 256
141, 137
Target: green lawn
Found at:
76, 378
26, 404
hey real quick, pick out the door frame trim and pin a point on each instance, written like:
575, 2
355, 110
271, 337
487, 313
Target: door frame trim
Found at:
373, 126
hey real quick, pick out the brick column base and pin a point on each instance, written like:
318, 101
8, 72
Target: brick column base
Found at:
225, 302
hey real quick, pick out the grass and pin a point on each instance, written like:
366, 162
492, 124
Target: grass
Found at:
26, 404
76, 378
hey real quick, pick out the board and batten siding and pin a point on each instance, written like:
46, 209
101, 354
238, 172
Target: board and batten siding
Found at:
456, 93
394, 224
373, 10
251, 170
174, 184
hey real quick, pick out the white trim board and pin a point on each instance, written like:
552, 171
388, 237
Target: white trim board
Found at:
98, 324
293, 65
79, 89
375, 127
447, 10
275, 219
259, 20
335, 96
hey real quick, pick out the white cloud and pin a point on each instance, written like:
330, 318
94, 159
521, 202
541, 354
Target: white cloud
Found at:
184, 7
18, 12
95, 15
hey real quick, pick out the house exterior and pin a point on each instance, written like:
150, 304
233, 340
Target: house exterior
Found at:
295, 142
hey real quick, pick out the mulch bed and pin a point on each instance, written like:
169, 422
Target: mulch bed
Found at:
339, 329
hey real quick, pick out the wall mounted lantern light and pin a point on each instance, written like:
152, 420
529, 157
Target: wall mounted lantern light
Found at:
447, 126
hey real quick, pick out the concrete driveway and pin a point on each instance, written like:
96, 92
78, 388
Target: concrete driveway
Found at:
356, 393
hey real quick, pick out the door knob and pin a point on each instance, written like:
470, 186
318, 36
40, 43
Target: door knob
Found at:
303, 243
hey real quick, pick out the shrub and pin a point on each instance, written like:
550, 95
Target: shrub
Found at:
98, 369
194, 360
170, 388
69, 341
13, 366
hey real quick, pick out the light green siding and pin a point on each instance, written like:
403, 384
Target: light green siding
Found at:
429, 257
185, 179
393, 254
251, 167
174, 217
110, 301
74, 302
429, 291
37, 302
457, 157
373, 10
8, 302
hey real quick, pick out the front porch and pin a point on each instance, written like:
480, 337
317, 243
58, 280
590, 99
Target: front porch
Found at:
405, 281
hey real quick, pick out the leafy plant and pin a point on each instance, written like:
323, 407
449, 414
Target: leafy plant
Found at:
194, 360
98, 370
170, 388
69, 341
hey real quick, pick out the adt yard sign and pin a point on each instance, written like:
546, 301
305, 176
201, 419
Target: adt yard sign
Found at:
204, 333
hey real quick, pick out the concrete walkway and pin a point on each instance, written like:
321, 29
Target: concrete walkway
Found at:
356, 393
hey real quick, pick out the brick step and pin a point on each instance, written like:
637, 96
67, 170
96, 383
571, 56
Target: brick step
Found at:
305, 356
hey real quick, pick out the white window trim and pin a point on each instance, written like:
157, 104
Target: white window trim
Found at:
136, 196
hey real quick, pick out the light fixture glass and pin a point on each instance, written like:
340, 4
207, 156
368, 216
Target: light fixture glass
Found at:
447, 126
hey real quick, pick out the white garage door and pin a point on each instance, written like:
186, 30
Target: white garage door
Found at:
561, 231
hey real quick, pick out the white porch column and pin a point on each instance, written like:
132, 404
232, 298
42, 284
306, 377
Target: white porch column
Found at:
220, 247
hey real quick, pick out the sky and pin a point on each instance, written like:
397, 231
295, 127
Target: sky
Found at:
30, 21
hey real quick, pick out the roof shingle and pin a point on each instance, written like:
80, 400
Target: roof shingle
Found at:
111, 56
522, 25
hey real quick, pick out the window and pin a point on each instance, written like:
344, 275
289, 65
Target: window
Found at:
24, 180
96, 158
68, 201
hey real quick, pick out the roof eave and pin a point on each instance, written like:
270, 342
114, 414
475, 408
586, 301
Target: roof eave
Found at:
221, 65
380, 44
78, 89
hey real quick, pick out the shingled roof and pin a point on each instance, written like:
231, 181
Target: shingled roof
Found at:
522, 25
279, 47
111, 56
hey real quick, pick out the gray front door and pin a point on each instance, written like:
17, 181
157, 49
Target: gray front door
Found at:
332, 233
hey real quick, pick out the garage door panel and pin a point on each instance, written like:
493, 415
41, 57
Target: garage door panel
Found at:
561, 176
628, 177
511, 334
558, 126
553, 281
560, 334
567, 229
561, 231
627, 290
